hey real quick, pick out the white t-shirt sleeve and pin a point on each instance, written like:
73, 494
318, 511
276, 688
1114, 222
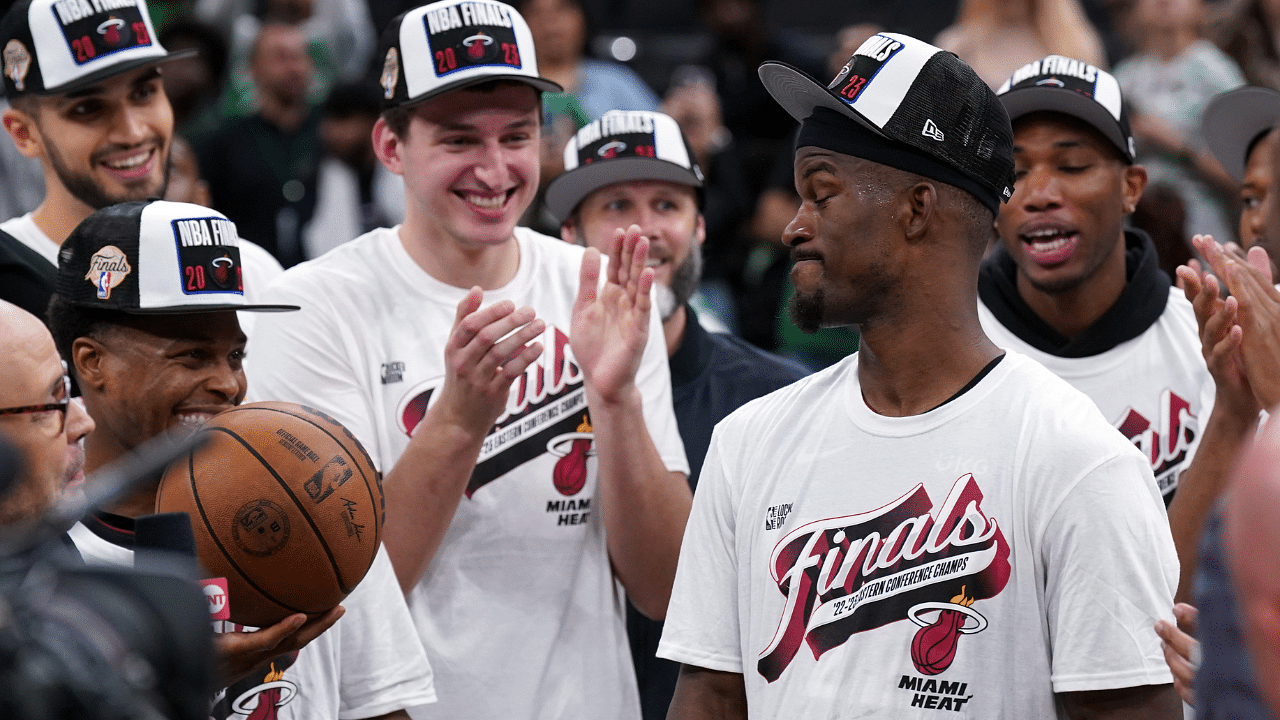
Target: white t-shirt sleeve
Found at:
1110, 573
308, 357
703, 622
384, 666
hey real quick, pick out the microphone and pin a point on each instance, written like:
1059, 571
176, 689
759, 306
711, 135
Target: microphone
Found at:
169, 532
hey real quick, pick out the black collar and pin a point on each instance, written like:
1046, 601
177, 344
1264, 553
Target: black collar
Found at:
1145, 294
693, 355
115, 529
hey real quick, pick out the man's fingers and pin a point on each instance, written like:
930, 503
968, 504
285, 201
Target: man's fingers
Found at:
520, 361
314, 628
588, 278
469, 304
1190, 281
473, 322
502, 352
1188, 618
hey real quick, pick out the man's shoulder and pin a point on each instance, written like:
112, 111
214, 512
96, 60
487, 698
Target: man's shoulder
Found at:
805, 396
350, 263
745, 362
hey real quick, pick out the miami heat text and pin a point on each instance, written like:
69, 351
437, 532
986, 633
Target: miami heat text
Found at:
568, 510
934, 694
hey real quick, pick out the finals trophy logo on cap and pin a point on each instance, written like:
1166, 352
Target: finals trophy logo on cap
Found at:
449, 45
621, 146
1075, 88
152, 258
910, 93
58, 46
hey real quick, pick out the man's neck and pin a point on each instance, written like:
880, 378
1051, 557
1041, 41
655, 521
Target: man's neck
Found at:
1071, 312
451, 263
100, 451
673, 329
288, 117
59, 213
916, 360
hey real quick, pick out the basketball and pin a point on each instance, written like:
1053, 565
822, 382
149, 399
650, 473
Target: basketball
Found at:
285, 504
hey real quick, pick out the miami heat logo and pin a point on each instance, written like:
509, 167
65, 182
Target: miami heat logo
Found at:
110, 30
934, 645
262, 702
477, 45
611, 150
222, 269
573, 449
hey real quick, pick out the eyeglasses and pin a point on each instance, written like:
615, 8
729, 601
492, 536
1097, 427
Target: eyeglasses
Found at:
58, 408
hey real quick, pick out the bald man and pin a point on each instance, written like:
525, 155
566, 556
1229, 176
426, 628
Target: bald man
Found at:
1252, 537
37, 416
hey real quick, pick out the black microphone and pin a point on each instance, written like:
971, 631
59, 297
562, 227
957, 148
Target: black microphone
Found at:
164, 543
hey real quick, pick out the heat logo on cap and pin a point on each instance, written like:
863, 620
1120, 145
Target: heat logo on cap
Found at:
90, 35
863, 67
471, 34
208, 255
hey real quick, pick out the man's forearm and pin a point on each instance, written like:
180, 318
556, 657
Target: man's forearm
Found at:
1144, 702
703, 694
645, 507
423, 491
1202, 484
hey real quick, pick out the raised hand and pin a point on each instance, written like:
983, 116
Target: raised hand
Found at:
486, 351
1220, 333
610, 323
1181, 649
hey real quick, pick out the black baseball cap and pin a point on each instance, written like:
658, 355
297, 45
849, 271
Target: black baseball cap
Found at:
623, 145
453, 44
913, 94
58, 46
1233, 122
1071, 87
154, 257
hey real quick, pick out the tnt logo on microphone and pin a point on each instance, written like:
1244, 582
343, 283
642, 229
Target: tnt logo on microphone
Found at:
215, 593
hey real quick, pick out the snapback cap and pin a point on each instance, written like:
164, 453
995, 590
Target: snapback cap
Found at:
622, 145
1234, 120
910, 92
453, 44
154, 257
57, 46
1075, 88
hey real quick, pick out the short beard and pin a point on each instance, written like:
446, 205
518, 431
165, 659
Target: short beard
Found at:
806, 310
684, 283
84, 189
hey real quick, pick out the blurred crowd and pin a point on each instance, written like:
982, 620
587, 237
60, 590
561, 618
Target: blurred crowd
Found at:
278, 104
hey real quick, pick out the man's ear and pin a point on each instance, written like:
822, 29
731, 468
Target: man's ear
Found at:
921, 202
25, 133
1135, 181
88, 360
700, 230
386, 145
568, 232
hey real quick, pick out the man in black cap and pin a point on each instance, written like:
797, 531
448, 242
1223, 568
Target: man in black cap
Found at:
83, 83
931, 523
636, 167
1074, 289
145, 311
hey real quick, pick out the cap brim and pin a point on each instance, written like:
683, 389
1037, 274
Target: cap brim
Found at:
201, 309
540, 84
109, 72
570, 188
1233, 119
1024, 101
799, 94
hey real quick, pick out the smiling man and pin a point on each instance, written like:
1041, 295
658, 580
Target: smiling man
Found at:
85, 99
519, 406
147, 316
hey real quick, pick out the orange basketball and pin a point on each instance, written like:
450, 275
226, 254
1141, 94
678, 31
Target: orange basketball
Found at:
285, 504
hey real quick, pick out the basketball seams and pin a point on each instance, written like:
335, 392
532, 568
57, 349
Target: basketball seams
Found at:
333, 562
204, 518
373, 504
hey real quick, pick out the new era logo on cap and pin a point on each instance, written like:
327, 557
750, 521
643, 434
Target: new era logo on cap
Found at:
451, 44
154, 257
622, 145
1072, 87
55, 46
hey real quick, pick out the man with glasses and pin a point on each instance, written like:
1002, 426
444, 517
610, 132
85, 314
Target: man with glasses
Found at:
37, 416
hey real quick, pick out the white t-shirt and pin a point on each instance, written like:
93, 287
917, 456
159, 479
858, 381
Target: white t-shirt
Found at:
364, 666
519, 611
1155, 389
977, 558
